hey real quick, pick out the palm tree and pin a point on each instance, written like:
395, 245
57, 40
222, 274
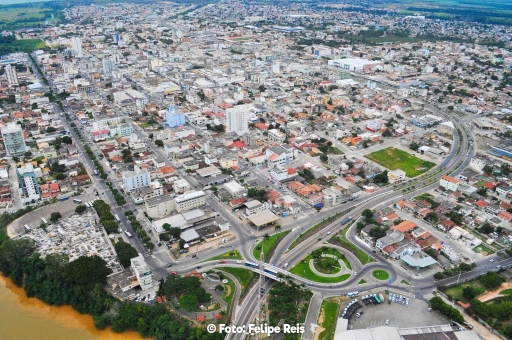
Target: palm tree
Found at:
266, 236
277, 227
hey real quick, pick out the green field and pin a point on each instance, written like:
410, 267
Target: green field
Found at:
393, 159
380, 274
456, 291
229, 255
328, 318
22, 45
506, 292
488, 12
33, 14
267, 244
244, 276
302, 269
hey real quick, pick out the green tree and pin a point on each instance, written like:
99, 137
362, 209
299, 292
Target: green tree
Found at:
67, 140
159, 143
50, 129
175, 232
414, 146
125, 252
469, 292
432, 217
367, 214
87, 272
491, 280
55, 216
80, 209
188, 302
324, 158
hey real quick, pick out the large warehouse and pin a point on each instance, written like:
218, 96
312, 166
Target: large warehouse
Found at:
357, 64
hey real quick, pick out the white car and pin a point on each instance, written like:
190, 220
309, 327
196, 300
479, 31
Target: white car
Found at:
387, 322
238, 261
492, 260
355, 273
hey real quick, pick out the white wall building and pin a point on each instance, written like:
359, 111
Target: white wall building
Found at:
189, 200
237, 120
396, 176
141, 270
180, 186
449, 183
76, 45
160, 206
235, 189
12, 77
136, 179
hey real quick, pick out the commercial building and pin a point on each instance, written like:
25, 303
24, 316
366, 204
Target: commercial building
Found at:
28, 182
449, 183
356, 64
136, 179
180, 186
262, 218
396, 176
255, 206
12, 77
173, 118
189, 200
235, 189
141, 270
160, 206
280, 155
13, 140
237, 120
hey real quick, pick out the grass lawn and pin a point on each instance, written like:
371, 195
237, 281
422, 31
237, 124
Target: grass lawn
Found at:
393, 159
407, 283
380, 274
328, 318
229, 255
302, 269
335, 151
362, 281
240, 39
24, 45
229, 291
456, 291
23, 16
267, 244
506, 292
483, 249
424, 196
360, 254
244, 276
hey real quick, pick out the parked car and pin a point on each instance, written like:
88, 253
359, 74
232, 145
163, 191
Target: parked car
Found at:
174, 273
222, 261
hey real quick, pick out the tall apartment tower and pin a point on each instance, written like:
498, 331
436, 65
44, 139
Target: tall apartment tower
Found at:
13, 140
237, 120
76, 45
12, 77
28, 181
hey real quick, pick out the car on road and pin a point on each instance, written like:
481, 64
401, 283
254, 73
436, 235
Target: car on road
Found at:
222, 261
174, 273
319, 239
194, 256
492, 260
198, 267
169, 265
238, 262
387, 322
355, 273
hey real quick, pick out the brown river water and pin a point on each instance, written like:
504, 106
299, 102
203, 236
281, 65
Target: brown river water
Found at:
23, 318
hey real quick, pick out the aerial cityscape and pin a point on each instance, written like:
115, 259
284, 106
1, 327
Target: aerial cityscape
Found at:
201, 169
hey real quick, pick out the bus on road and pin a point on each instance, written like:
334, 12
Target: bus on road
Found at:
27, 228
44, 220
127, 233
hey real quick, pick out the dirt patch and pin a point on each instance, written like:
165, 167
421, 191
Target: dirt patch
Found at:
495, 293
227, 290
319, 329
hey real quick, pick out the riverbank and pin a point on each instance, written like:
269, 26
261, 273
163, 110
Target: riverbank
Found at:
30, 318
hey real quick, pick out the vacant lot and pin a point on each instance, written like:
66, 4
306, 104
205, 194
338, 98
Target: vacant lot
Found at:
393, 159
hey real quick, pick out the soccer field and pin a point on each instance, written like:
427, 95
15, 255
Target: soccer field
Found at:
393, 159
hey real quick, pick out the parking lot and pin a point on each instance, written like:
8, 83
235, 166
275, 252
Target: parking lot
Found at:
416, 314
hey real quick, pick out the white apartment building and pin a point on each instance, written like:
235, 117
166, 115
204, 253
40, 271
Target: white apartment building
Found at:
189, 200
280, 173
237, 120
451, 253
76, 45
141, 270
136, 179
13, 140
449, 183
12, 77
255, 206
